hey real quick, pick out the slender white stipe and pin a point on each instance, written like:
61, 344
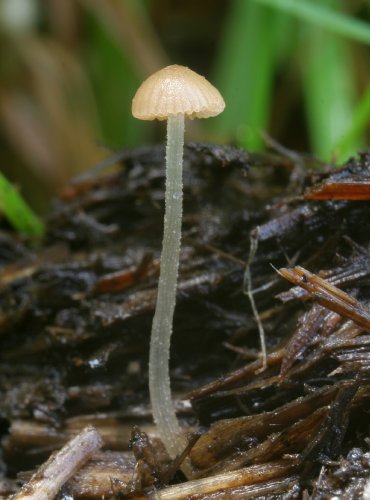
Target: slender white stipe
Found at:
159, 378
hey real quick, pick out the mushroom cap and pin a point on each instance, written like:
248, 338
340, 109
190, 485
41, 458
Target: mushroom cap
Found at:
176, 90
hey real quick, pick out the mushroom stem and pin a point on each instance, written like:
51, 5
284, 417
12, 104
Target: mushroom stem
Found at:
159, 379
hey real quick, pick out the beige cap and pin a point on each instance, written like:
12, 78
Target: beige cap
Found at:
176, 90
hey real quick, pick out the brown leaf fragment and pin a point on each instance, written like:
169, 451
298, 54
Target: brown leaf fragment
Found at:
27, 267
346, 190
121, 280
84, 184
225, 436
328, 295
288, 442
236, 376
309, 326
351, 182
327, 442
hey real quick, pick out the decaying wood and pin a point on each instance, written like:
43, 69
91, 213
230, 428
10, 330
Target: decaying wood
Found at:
75, 316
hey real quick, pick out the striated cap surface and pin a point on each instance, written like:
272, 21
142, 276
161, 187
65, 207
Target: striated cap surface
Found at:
176, 90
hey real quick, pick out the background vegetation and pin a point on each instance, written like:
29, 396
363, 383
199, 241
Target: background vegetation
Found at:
299, 71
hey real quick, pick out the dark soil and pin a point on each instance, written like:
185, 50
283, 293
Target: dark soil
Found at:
76, 312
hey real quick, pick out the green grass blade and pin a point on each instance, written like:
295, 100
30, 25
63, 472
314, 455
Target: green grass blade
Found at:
245, 72
17, 211
348, 144
329, 88
327, 18
114, 83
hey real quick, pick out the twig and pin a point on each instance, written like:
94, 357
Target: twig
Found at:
260, 474
50, 477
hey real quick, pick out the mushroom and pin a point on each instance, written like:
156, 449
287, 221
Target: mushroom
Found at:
171, 94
